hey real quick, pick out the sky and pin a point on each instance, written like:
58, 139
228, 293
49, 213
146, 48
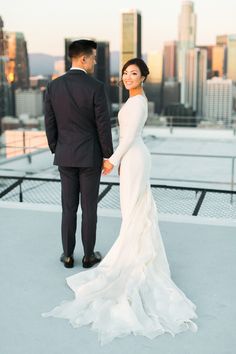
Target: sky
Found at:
45, 23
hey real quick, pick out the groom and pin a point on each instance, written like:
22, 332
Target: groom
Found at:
78, 130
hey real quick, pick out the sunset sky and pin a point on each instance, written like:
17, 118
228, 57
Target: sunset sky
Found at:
46, 23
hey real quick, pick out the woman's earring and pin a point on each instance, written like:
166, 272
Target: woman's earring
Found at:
142, 83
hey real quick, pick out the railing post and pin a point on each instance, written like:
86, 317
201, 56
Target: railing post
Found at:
171, 125
29, 157
24, 144
21, 193
199, 203
232, 180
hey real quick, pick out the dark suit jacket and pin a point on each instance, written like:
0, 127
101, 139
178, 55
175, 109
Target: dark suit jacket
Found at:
78, 130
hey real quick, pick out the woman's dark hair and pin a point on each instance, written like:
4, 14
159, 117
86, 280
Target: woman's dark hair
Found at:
140, 64
81, 46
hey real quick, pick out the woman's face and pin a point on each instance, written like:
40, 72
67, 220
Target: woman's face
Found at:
132, 77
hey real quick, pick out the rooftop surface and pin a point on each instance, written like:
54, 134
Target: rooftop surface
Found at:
201, 254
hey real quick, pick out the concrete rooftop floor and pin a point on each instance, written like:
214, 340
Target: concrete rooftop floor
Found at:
202, 258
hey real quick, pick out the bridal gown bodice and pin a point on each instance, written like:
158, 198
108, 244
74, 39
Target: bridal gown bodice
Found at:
132, 153
131, 290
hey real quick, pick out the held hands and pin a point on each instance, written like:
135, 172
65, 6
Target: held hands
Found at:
106, 167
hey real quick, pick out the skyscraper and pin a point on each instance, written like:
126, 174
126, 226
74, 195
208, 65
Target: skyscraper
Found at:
231, 57
222, 39
1, 37
196, 80
202, 62
170, 61
171, 93
155, 65
219, 60
186, 41
153, 85
228, 43
29, 102
68, 41
131, 45
131, 40
18, 65
5, 92
102, 68
2, 69
209, 49
219, 100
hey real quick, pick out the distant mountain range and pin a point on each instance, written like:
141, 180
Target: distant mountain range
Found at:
43, 64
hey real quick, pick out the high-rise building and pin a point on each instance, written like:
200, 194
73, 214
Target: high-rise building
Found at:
219, 60
18, 65
2, 69
196, 80
153, 85
5, 89
155, 65
202, 59
231, 57
209, 49
171, 92
29, 102
2, 49
102, 68
68, 41
186, 41
228, 43
219, 100
131, 41
222, 39
170, 61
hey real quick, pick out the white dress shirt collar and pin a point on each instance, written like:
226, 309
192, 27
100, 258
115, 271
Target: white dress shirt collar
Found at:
77, 68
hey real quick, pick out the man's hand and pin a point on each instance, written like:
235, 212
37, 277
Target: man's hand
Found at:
106, 167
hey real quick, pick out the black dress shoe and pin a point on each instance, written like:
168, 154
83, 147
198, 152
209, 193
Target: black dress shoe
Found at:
88, 262
68, 261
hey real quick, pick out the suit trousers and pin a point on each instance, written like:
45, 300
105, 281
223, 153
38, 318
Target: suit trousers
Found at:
79, 183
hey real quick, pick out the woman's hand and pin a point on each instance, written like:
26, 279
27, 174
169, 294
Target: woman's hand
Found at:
106, 167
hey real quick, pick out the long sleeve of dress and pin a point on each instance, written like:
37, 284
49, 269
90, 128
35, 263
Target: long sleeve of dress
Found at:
132, 120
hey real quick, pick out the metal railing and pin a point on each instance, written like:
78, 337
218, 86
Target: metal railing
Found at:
231, 182
232, 158
29, 153
25, 142
170, 199
174, 123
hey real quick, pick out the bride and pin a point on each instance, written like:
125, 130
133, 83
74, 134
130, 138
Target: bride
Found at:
131, 290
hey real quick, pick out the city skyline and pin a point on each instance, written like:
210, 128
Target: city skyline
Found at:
50, 22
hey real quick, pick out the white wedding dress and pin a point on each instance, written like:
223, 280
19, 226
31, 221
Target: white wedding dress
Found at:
131, 290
